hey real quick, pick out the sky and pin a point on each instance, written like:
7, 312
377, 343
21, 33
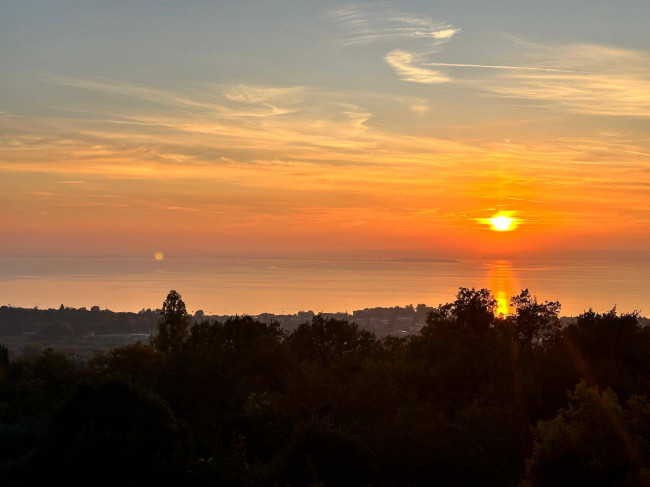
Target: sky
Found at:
206, 128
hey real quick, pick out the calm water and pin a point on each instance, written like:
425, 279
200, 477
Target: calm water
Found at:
251, 286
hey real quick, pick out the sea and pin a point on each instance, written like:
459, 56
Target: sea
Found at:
286, 285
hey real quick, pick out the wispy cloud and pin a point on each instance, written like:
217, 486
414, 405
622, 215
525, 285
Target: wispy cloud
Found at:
407, 68
445, 33
368, 23
249, 100
381, 22
264, 94
419, 106
357, 115
148, 93
494, 66
586, 78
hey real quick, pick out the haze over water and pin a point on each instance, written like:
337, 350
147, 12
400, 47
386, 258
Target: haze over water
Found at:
258, 128
285, 285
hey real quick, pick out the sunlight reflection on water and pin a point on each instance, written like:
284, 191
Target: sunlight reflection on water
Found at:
502, 282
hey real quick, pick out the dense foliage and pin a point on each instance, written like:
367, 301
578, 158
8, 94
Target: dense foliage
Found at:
473, 399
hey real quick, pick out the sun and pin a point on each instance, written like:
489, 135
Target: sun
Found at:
501, 223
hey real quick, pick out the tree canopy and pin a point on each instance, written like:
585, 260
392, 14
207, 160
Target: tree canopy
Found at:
473, 399
173, 326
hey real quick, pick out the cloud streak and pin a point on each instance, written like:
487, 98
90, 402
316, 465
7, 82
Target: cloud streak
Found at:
587, 78
494, 66
407, 68
372, 22
234, 101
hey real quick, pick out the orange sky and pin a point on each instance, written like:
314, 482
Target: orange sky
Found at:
409, 157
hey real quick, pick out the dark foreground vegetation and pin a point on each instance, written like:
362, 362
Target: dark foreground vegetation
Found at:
471, 400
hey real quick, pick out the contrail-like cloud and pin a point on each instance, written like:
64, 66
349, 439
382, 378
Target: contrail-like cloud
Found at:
494, 66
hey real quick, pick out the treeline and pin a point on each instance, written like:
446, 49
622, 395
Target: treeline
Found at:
471, 400
67, 321
74, 321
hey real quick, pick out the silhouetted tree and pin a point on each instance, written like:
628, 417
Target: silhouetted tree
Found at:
327, 339
595, 441
611, 349
330, 404
321, 455
536, 324
141, 363
36, 383
173, 327
111, 431
474, 309
4, 355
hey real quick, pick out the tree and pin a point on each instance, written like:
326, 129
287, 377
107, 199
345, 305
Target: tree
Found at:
595, 441
473, 309
4, 355
614, 350
536, 324
328, 339
172, 328
113, 427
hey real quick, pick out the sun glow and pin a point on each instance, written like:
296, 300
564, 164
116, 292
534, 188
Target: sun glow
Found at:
501, 223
